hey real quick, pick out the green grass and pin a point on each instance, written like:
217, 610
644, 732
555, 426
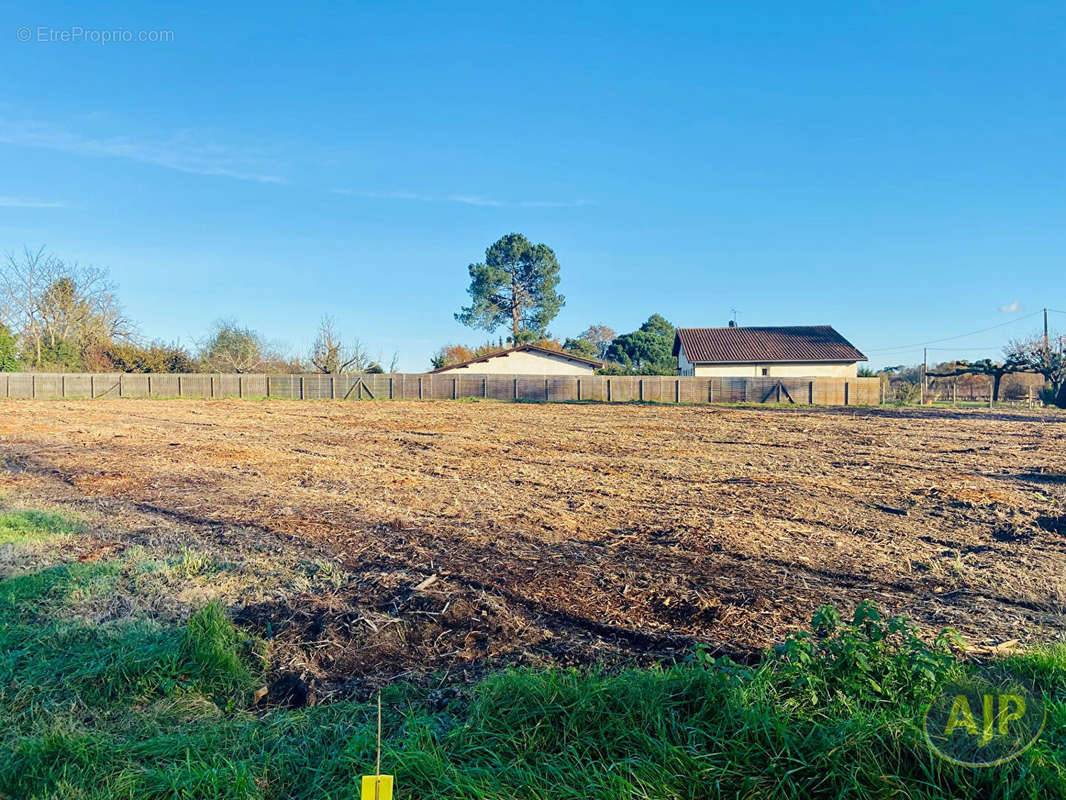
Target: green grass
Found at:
134, 709
18, 527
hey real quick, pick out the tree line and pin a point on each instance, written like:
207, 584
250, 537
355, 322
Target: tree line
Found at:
57, 316
1033, 366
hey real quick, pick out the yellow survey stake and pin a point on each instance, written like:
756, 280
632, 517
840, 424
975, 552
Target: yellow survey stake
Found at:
377, 787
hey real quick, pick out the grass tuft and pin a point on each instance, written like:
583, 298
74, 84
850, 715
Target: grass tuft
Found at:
17, 527
211, 643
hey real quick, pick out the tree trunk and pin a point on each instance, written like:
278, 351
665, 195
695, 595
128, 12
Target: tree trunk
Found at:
1060, 398
514, 311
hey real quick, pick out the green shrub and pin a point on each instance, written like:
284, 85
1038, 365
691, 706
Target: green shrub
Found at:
869, 660
907, 393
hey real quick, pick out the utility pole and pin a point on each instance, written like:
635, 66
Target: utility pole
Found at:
1045, 331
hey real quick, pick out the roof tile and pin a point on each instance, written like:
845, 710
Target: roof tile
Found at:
797, 343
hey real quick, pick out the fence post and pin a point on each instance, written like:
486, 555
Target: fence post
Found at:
302, 389
392, 393
579, 389
268, 385
546, 398
847, 393
240, 386
455, 388
92, 387
33, 386
810, 393
120, 375
677, 390
710, 390
484, 386
179, 386
420, 388
515, 387
63, 386
640, 389
333, 388
608, 390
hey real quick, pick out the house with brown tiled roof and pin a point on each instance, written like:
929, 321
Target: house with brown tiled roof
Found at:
786, 352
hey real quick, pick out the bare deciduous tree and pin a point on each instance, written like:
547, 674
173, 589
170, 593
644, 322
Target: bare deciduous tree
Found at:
52, 304
1047, 359
331, 355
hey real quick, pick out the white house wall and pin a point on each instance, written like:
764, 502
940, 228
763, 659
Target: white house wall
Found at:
684, 366
843, 369
524, 362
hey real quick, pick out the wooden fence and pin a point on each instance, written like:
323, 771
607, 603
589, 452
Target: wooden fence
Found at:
551, 388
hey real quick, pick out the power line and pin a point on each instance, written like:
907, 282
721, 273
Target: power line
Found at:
960, 336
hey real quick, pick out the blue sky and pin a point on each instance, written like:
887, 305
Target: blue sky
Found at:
895, 169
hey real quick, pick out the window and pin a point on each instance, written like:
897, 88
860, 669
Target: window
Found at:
765, 370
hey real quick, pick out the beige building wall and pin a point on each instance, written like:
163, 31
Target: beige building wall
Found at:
524, 362
842, 369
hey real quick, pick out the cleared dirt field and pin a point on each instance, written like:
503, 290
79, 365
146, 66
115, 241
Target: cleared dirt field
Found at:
471, 535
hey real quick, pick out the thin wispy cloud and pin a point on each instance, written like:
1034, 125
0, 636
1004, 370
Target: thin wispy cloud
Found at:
183, 151
381, 195
463, 199
1011, 308
22, 202
489, 202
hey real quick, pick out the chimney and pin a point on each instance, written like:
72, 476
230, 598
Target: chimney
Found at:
732, 323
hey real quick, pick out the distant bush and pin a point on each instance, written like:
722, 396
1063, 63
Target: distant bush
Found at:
8, 350
153, 357
907, 393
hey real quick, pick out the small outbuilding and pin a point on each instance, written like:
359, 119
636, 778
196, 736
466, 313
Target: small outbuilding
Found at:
526, 359
787, 352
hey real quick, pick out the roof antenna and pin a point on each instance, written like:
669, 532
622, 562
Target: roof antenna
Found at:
733, 321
